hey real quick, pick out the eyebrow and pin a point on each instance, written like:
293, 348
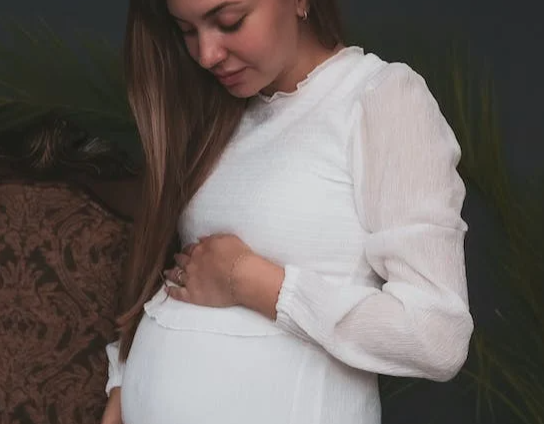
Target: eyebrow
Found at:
214, 11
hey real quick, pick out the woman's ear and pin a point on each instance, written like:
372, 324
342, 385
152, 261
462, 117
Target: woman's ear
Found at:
303, 8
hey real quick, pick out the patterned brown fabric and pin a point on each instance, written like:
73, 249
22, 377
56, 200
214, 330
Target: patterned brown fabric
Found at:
61, 256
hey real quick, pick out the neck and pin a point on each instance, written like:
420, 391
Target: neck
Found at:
309, 54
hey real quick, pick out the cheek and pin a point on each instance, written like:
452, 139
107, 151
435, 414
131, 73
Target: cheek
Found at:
269, 36
192, 47
265, 50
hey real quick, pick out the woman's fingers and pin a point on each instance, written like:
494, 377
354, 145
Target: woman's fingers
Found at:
188, 250
182, 259
178, 293
176, 275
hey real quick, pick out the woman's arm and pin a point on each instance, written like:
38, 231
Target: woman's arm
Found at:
409, 198
112, 413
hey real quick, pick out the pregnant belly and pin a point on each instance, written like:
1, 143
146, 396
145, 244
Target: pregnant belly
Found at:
193, 377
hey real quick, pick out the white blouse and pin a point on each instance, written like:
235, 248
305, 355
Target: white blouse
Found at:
350, 183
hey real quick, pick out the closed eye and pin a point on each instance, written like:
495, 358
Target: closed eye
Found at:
234, 27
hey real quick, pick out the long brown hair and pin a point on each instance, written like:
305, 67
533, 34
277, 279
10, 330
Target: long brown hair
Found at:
185, 119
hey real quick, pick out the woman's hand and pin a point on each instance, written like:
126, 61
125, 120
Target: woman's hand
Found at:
205, 272
112, 413
222, 271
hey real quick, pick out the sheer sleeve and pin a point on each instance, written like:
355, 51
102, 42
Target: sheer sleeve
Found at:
115, 368
409, 198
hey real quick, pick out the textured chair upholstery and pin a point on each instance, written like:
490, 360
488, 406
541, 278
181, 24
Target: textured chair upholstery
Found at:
62, 253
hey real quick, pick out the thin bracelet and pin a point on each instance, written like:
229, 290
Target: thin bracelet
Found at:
230, 280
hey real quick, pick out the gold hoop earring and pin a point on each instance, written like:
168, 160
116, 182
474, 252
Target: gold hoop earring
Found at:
305, 15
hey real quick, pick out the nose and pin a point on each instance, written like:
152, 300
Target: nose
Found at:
211, 52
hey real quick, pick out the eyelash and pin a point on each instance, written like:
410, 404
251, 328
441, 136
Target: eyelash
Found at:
233, 28
227, 29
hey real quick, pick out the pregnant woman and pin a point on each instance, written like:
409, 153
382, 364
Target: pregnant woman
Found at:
314, 193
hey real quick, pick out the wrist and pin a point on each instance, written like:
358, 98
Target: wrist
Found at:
234, 277
257, 283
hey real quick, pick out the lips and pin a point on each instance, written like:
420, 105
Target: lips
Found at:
231, 77
227, 74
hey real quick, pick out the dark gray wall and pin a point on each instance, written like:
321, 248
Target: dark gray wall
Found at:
511, 34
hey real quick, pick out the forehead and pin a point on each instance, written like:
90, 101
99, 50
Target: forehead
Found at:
197, 9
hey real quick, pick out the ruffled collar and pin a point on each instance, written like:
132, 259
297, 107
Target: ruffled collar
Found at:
311, 76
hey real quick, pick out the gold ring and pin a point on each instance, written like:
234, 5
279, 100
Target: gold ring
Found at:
179, 276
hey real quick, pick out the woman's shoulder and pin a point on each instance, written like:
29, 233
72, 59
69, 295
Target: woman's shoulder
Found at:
371, 71
359, 68
390, 77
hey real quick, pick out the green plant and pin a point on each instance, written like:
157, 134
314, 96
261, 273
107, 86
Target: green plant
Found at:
43, 76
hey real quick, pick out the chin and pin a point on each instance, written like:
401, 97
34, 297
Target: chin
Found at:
242, 91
